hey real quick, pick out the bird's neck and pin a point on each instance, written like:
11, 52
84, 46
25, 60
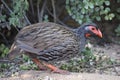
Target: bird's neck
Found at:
80, 33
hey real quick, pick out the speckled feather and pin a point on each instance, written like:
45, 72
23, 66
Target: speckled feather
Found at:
55, 42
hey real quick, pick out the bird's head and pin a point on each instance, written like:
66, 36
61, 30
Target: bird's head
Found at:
91, 29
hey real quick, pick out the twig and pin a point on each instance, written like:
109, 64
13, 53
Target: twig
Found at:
6, 6
32, 8
27, 20
54, 11
8, 9
56, 17
5, 61
42, 11
17, 29
38, 10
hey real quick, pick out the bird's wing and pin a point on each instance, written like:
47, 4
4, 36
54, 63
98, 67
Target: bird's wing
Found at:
27, 48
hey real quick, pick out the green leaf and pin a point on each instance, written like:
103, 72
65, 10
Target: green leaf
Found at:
80, 21
86, 6
111, 16
81, 16
107, 8
97, 9
106, 11
4, 50
102, 12
73, 16
101, 7
72, 0
106, 18
83, 11
2, 18
91, 5
67, 2
107, 3
46, 18
26, 4
98, 18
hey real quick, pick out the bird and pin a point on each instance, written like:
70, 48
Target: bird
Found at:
48, 42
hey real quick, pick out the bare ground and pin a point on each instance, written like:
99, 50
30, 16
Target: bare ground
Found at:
38, 75
111, 50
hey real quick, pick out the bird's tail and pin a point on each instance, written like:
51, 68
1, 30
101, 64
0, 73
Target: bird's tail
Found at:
14, 51
17, 48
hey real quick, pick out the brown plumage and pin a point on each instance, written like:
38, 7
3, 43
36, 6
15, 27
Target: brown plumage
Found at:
50, 42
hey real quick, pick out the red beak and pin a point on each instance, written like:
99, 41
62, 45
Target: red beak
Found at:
99, 33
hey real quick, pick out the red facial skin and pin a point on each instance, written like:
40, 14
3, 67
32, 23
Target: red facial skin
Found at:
95, 31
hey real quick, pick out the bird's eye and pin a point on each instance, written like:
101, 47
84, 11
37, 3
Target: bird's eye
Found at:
93, 28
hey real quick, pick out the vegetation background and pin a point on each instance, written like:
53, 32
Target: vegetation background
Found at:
16, 14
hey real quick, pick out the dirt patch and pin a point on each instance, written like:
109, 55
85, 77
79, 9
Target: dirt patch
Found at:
38, 75
110, 50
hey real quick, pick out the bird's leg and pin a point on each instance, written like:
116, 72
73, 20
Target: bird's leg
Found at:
55, 69
41, 67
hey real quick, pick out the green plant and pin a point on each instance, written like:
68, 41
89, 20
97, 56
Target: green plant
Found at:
77, 64
17, 10
87, 10
117, 30
28, 64
45, 18
88, 62
3, 50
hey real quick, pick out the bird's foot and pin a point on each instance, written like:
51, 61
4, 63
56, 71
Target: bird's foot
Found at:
55, 69
40, 66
